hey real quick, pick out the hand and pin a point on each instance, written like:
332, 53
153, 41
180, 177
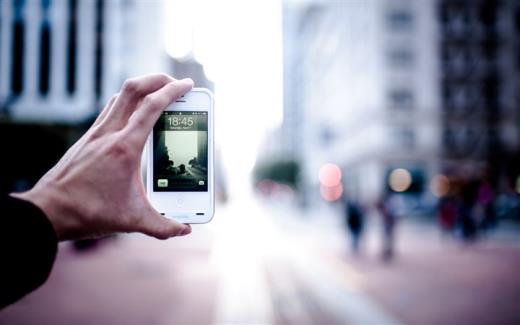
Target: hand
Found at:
96, 188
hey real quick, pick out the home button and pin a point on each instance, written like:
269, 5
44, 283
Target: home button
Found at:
180, 202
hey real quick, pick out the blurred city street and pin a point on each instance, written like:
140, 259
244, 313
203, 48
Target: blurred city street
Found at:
366, 166
271, 265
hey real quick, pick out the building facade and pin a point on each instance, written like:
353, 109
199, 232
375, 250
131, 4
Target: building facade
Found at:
375, 85
479, 64
365, 90
60, 60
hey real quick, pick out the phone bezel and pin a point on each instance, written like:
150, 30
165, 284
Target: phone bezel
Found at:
184, 206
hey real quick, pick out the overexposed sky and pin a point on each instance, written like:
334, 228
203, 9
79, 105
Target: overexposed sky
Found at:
239, 42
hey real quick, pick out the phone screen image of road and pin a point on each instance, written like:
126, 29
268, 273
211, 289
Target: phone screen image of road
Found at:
180, 152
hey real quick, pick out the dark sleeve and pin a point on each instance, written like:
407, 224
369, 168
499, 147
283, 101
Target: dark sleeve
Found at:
28, 245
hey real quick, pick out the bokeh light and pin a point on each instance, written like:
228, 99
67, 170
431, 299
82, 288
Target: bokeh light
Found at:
330, 175
331, 193
518, 185
331, 188
440, 185
400, 180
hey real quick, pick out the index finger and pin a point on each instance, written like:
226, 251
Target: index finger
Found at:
131, 93
144, 118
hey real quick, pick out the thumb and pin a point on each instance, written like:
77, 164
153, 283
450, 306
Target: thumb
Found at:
157, 226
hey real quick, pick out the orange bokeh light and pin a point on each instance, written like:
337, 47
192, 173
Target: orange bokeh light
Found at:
400, 180
440, 185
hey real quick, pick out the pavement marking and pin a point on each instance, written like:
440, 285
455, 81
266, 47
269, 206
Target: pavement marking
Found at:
350, 278
337, 286
286, 295
348, 305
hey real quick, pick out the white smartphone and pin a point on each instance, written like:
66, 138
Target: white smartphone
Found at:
180, 159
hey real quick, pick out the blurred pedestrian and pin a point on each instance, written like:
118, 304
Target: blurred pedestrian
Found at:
447, 214
467, 222
387, 207
507, 204
354, 217
485, 204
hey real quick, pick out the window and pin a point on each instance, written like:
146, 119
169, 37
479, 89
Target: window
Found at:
401, 58
455, 57
454, 17
98, 65
400, 19
18, 49
448, 139
326, 135
459, 98
401, 98
487, 13
45, 50
72, 47
404, 137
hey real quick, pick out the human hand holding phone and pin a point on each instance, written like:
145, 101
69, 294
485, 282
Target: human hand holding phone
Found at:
96, 188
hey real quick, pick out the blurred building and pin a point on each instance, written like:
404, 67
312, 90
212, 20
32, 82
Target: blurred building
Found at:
370, 85
188, 67
60, 61
364, 90
480, 64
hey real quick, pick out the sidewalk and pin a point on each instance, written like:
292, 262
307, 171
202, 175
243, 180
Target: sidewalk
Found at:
240, 269
267, 265
433, 279
131, 279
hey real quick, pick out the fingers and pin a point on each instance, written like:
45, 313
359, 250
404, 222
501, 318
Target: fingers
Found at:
160, 227
143, 120
105, 110
131, 94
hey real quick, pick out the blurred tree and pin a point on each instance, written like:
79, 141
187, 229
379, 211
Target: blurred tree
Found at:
280, 171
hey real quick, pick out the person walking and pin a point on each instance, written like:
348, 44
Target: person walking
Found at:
388, 209
354, 217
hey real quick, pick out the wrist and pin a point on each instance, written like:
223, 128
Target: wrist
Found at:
53, 206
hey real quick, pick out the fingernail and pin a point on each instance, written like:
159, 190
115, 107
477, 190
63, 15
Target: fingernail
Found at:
187, 80
185, 231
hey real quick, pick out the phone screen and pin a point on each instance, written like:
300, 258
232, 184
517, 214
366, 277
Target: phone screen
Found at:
180, 152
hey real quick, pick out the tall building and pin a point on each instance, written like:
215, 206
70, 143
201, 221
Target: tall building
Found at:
60, 60
429, 86
479, 64
293, 51
361, 88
